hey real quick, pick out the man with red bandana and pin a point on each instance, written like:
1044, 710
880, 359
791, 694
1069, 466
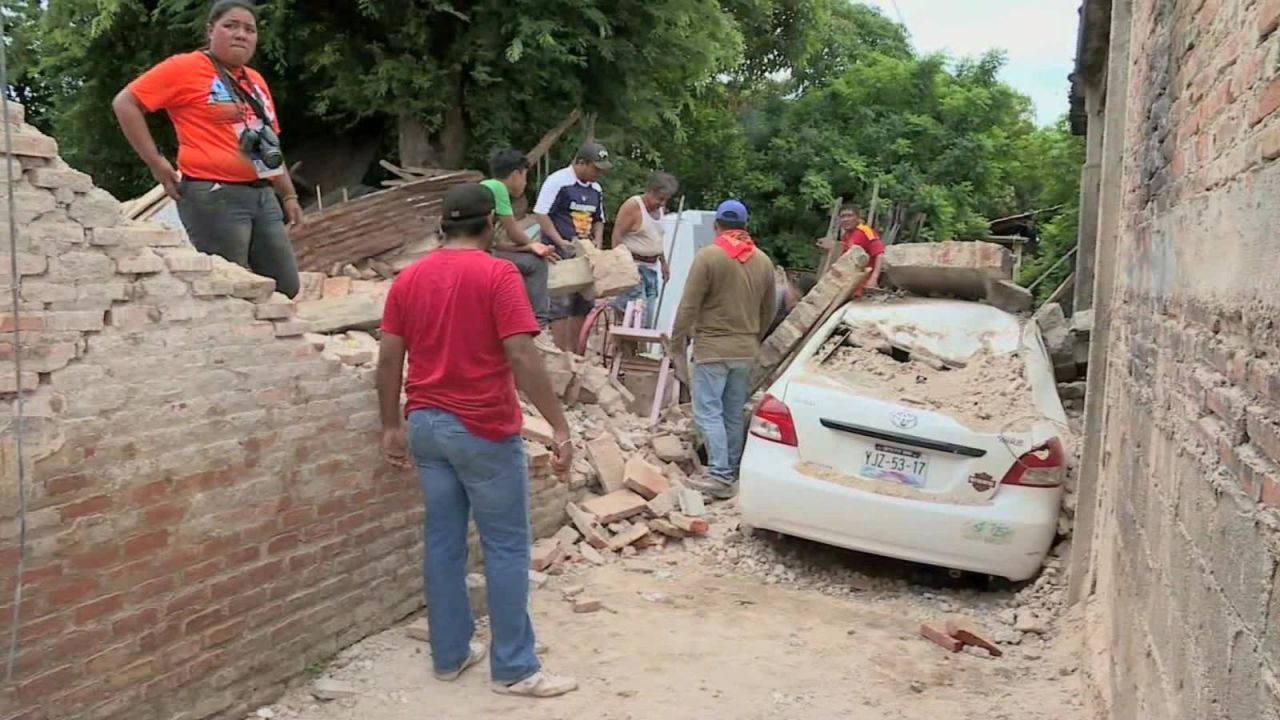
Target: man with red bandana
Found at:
855, 233
726, 309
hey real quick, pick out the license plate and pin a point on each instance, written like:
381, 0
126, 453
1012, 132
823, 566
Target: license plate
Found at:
895, 464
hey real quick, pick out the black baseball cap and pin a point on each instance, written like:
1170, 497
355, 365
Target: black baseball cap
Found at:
466, 202
596, 154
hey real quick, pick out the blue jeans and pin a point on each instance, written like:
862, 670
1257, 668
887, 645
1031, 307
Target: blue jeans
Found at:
647, 290
719, 397
461, 475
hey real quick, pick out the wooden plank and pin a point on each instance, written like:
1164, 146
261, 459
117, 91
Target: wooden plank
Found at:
395, 169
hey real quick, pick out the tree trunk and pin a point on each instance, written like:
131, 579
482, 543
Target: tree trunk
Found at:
590, 125
447, 147
415, 142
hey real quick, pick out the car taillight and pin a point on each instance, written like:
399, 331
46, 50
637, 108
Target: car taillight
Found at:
1040, 467
773, 422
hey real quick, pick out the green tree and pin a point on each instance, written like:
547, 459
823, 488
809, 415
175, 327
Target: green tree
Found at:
451, 79
1047, 177
933, 133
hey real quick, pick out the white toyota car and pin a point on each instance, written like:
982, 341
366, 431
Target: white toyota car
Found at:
926, 430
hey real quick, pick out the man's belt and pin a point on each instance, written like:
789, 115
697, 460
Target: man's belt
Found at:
647, 259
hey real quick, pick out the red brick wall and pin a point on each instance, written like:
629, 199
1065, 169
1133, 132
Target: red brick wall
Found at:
208, 512
1188, 541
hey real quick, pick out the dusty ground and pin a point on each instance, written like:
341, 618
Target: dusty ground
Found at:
743, 627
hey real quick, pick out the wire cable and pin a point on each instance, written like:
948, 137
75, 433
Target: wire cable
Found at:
15, 283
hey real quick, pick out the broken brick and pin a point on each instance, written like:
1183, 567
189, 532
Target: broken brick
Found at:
615, 506
651, 540
930, 632
591, 554
587, 525
606, 457
691, 525
645, 479
587, 605
537, 430
966, 634
669, 448
666, 528
629, 537
566, 535
663, 504
691, 502
545, 554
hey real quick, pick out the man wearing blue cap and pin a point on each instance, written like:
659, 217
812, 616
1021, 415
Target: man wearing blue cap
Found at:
726, 309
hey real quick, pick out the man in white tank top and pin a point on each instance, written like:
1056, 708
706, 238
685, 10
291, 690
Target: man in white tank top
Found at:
638, 228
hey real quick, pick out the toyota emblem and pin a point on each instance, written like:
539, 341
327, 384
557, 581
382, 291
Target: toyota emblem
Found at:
905, 420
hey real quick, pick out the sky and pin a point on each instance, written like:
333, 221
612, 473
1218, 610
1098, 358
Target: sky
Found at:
1039, 37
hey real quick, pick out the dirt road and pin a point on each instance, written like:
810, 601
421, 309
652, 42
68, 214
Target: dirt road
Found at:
813, 633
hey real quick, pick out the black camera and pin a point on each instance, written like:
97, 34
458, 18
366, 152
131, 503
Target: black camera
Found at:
265, 143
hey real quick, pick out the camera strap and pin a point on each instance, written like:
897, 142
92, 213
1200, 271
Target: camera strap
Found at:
248, 98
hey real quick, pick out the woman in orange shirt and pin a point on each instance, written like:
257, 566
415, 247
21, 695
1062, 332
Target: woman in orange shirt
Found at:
229, 158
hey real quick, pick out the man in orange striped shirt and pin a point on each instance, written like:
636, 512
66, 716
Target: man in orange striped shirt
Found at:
853, 232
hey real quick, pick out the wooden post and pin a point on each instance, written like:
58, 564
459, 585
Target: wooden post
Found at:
833, 223
875, 204
319, 200
675, 238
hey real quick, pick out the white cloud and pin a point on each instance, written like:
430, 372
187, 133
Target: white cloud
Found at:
1039, 37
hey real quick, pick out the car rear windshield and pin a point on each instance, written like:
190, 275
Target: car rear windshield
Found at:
972, 372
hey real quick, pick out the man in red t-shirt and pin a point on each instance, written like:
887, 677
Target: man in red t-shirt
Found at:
464, 320
854, 232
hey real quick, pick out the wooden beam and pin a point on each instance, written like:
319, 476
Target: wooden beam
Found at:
551, 136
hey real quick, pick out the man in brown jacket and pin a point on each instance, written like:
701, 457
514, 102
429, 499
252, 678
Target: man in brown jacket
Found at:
726, 309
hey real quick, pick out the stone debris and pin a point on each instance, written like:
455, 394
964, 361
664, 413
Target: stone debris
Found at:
691, 502
985, 390
584, 605
545, 553
478, 594
536, 429
618, 505
327, 689
606, 457
629, 536
418, 631
669, 448
1030, 621
645, 479
567, 535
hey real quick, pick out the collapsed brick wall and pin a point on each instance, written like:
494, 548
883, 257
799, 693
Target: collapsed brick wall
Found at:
208, 511
1187, 602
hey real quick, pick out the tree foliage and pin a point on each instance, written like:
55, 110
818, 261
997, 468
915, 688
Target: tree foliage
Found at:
787, 104
936, 135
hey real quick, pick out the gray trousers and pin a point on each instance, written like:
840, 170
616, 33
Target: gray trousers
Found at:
534, 270
242, 224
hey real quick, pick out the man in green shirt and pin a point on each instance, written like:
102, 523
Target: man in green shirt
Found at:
509, 169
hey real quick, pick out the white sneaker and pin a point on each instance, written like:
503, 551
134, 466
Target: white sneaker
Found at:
478, 651
538, 685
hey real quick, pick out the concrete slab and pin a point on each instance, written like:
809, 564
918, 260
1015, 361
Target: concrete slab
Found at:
961, 270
